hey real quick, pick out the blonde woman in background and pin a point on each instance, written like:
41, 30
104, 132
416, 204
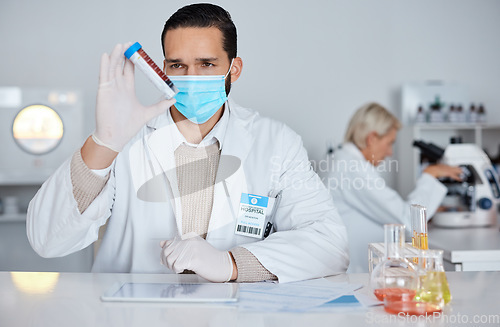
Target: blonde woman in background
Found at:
364, 201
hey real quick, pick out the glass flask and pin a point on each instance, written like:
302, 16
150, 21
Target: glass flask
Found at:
394, 278
433, 285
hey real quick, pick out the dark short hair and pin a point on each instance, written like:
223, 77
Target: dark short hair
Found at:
204, 15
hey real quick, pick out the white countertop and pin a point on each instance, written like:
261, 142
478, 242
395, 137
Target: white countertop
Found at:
466, 244
73, 299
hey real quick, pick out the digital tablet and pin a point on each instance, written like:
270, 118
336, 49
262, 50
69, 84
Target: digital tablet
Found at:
172, 292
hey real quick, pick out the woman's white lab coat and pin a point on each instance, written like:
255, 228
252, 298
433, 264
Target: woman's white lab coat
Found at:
142, 203
366, 203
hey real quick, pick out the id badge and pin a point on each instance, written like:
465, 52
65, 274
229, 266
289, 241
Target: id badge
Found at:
251, 215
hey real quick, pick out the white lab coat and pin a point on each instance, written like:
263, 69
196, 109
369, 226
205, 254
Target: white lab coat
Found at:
310, 239
366, 203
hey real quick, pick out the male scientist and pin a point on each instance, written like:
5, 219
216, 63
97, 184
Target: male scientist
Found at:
196, 184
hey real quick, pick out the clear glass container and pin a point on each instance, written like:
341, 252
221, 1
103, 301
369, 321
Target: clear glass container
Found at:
433, 284
419, 237
394, 277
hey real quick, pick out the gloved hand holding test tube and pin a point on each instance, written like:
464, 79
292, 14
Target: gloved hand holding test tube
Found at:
119, 114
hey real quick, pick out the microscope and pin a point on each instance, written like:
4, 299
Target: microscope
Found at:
471, 202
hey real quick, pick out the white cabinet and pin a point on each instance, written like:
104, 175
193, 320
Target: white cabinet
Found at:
16, 253
409, 167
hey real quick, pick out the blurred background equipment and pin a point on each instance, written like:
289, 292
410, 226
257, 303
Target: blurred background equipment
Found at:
472, 201
39, 129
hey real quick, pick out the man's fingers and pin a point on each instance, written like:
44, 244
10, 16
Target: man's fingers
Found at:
128, 68
116, 61
129, 73
104, 69
168, 247
158, 108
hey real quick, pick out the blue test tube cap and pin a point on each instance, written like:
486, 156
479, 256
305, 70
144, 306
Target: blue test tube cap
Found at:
133, 48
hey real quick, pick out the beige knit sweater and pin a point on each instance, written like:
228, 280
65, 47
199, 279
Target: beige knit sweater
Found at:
196, 171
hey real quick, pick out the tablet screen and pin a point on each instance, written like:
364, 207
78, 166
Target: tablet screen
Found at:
172, 292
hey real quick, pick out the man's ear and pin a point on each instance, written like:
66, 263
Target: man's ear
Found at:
236, 69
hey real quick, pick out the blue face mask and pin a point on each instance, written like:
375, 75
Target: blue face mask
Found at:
200, 96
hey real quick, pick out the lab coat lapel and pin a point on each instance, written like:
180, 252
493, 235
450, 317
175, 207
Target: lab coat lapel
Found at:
163, 151
229, 181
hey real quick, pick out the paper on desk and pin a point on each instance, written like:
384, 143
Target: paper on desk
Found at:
368, 300
342, 304
298, 296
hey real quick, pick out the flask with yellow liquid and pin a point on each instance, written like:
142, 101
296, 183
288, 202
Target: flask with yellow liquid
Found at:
433, 285
430, 262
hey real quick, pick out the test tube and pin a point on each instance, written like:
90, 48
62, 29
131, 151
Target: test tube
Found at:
140, 58
419, 226
394, 239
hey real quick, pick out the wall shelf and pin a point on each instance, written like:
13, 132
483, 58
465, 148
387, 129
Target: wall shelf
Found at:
455, 126
12, 218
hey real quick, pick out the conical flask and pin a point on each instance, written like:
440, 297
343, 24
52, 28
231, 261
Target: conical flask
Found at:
394, 276
431, 268
433, 284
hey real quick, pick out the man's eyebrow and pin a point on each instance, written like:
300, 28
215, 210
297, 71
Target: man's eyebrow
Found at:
207, 59
176, 60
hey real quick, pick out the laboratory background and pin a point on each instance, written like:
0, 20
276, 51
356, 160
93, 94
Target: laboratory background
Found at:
309, 64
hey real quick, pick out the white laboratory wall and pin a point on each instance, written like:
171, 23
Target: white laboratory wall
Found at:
307, 63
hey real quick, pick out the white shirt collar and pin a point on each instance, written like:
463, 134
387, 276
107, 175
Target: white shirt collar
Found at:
216, 134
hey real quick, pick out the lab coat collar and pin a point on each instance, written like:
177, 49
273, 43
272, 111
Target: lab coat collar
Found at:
352, 149
354, 154
216, 134
237, 139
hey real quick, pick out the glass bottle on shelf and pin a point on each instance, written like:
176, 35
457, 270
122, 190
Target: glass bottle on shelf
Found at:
436, 115
472, 118
452, 114
481, 114
394, 276
460, 114
420, 115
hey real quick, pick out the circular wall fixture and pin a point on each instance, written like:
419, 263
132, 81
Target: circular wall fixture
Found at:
37, 129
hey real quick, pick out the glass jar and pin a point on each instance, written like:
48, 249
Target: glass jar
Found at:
394, 277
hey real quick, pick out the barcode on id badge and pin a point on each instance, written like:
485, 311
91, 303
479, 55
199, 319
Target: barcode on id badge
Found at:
247, 229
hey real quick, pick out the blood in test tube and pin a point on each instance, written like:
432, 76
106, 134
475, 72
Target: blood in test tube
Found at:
140, 58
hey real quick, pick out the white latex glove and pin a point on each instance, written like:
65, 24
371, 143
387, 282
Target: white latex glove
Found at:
196, 254
119, 115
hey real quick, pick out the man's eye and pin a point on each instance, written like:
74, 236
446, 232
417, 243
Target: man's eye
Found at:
207, 64
175, 66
